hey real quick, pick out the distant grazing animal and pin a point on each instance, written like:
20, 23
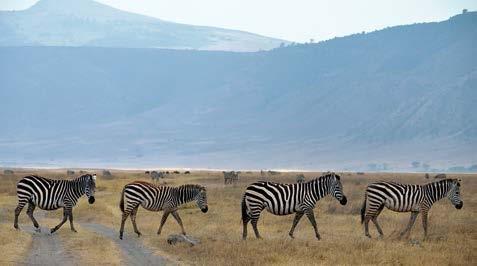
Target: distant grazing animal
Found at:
186, 172
177, 172
107, 173
360, 173
156, 176
70, 172
427, 176
167, 172
230, 177
82, 172
440, 176
147, 172
50, 194
407, 198
155, 198
300, 178
273, 172
8, 172
284, 199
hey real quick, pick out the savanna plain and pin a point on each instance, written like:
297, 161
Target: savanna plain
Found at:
452, 238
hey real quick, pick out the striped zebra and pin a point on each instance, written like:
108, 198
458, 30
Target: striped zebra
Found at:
407, 198
230, 177
50, 194
157, 198
284, 199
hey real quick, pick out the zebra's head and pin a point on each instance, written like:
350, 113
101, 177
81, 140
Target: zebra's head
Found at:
337, 189
90, 187
454, 194
201, 199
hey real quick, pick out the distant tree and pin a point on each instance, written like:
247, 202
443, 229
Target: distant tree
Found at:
464, 10
473, 168
415, 164
282, 45
312, 40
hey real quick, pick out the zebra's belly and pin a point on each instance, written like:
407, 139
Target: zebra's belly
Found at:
286, 211
398, 207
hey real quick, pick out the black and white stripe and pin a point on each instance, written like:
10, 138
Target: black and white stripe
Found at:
284, 199
50, 194
407, 198
158, 198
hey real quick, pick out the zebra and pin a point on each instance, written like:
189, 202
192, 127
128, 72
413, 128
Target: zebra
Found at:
157, 198
284, 199
156, 176
300, 178
50, 194
407, 198
230, 177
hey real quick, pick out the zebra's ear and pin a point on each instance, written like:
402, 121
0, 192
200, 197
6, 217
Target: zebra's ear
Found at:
94, 177
337, 177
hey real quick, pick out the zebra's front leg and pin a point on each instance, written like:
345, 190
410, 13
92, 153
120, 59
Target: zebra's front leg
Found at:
70, 215
163, 221
298, 216
424, 223
65, 217
179, 221
410, 224
31, 208
311, 217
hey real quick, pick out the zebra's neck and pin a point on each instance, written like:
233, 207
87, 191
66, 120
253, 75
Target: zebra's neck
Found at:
436, 190
78, 187
319, 187
186, 193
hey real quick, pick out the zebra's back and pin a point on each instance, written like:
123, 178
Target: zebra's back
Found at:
279, 199
395, 196
45, 193
149, 196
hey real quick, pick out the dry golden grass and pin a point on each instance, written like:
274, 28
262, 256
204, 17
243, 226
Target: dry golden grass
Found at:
452, 233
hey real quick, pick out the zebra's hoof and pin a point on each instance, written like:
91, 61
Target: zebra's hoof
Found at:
74, 231
138, 234
291, 236
38, 230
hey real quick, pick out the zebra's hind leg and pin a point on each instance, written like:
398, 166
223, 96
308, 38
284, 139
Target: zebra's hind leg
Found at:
375, 221
18, 210
133, 220
31, 208
245, 224
254, 225
123, 220
410, 224
65, 217
298, 216
311, 217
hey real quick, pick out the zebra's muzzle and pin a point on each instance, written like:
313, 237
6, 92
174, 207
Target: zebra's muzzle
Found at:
459, 206
91, 200
204, 210
343, 201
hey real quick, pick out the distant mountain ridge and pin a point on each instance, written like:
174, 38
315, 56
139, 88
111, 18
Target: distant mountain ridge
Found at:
379, 100
89, 23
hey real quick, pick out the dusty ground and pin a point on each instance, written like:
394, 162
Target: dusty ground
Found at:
452, 234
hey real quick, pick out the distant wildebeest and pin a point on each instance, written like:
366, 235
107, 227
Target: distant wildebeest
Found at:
147, 172
187, 173
70, 172
50, 194
300, 178
407, 198
107, 173
82, 172
176, 172
284, 199
439, 176
167, 172
8, 172
427, 176
360, 173
230, 177
155, 198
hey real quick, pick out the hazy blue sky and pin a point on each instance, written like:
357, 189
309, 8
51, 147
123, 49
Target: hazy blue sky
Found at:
297, 20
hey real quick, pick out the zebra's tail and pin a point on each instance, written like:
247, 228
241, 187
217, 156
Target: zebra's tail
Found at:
121, 202
363, 208
244, 209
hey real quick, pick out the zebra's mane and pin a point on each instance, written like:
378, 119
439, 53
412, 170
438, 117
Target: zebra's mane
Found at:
325, 176
444, 181
191, 187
